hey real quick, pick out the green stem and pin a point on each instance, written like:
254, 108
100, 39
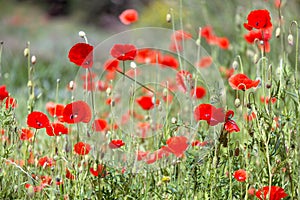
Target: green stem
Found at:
1, 46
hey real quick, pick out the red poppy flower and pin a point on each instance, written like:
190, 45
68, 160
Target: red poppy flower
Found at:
240, 175
208, 34
198, 92
82, 148
209, 113
223, 42
46, 162
99, 125
112, 65
263, 36
258, 19
182, 78
46, 180
242, 82
55, 110
276, 193
123, 51
37, 120
177, 145
102, 85
76, 112
81, 54
250, 116
69, 175
231, 126
56, 129
129, 16
3, 92
26, 134
141, 155
100, 171
115, 144
146, 102
169, 61
205, 61
148, 56
10, 102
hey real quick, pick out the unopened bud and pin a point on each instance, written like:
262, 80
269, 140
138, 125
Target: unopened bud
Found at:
290, 39
255, 58
133, 65
71, 85
169, 18
108, 91
235, 65
277, 32
33, 60
81, 34
237, 102
198, 42
268, 85
173, 120
26, 52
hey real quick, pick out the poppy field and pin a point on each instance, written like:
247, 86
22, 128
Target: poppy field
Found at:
183, 110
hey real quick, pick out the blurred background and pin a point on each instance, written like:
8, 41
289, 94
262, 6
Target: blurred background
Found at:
52, 27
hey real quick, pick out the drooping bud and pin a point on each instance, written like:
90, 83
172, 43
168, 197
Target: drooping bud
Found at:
26, 52
133, 65
33, 59
290, 39
169, 18
237, 102
235, 65
81, 34
277, 32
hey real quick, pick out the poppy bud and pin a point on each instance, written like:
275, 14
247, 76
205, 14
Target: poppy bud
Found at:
237, 102
198, 42
58, 80
277, 32
1, 42
237, 151
33, 60
132, 65
169, 18
81, 34
108, 91
174, 120
290, 39
235, 65
29, 84
165, 92
71, 85
26, 52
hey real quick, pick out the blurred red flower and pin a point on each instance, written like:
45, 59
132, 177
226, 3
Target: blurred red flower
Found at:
46, 162
205, 61
123, 51
242, 82
226, 72
267, 99
76, 112
81, 54
177, 145
56, 129
240, 175
55, 110
26, 134
209, 113
169, 61
156, 155
181, 35
115, 144
100, 171
37, 120
146, 102
276, 193
223, 42
148, 56
99, 125
198, 92
142, 155
69, 175
258, 19
197, 143
3, 92
82, 148
112, 65
129, 16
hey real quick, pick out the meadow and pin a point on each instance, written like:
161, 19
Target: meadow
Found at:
190, 100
